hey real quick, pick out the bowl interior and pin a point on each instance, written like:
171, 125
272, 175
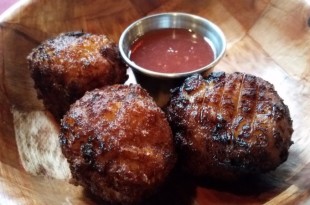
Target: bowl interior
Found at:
269, 39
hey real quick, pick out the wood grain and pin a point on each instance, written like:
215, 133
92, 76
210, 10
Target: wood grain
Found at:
268, 38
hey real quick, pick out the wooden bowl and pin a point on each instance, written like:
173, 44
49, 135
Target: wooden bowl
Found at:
266, 38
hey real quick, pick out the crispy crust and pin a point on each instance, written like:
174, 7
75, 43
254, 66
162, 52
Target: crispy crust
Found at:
118, 143
228, 125
65, 67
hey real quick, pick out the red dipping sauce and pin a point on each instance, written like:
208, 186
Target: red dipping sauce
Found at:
171, 51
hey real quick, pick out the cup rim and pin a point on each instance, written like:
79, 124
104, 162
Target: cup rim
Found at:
148, 72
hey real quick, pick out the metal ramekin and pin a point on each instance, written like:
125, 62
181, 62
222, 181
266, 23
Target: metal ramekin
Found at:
159, 84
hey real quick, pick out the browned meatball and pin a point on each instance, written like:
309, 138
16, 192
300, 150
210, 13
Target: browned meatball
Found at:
118, 143
229, 125
65, 67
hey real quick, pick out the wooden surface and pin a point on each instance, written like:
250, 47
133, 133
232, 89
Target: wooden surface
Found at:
268, 38
5, 4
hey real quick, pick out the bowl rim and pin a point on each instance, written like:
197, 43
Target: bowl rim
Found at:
136, 67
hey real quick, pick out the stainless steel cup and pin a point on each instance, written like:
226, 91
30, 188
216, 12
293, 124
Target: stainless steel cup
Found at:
159, 84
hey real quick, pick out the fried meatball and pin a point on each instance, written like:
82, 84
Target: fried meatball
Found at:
65, 67
118, 143
229, 125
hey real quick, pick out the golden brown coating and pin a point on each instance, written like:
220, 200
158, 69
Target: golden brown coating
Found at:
65, 67
229, 125
118, 143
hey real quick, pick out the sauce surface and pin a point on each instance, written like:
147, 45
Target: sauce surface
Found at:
171, 51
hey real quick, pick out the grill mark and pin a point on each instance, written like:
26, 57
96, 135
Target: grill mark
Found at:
254, 113
222, 94
229, 90
228, 94
237, 107
202, 103
201, 111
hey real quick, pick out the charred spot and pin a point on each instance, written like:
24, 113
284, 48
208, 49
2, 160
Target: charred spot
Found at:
244, 134
39, 54
176, 111
246, 128
246, 109
103, 168
278, 139
220, 119
75, 33
262, 107
215, 77
241, 143
192, 83
109, 52
246, 105
261, 140
219, 131
175, 90
179, 139
63, 140
251, 80
87, 152
278, 111
98, 146
221, 137
64, 126
249, 92
95, 97
218, 127
182, 102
